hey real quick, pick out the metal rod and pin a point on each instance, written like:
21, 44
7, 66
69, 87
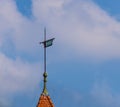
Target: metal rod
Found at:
44, 49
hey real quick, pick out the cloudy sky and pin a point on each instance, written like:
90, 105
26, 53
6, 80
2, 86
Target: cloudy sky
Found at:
83, 64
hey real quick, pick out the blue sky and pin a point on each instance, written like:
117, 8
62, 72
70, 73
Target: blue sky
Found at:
83, 64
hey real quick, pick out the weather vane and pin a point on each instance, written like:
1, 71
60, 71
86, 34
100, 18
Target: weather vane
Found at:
46, 43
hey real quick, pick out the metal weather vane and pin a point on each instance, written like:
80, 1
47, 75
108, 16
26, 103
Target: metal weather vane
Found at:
46, 43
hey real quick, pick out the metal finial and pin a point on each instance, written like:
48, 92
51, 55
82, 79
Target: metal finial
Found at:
45, 92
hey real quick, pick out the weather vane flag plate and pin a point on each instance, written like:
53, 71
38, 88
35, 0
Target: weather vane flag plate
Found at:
48, 43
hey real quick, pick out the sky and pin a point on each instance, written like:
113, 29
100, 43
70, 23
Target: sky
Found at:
83, 64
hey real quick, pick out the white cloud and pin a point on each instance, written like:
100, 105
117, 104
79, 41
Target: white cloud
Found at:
43, 8
81, 26
17, 76
14, 27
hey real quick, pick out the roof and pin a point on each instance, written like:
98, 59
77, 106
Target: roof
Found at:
45, 101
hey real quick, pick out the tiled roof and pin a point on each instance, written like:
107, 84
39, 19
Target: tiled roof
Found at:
45, 101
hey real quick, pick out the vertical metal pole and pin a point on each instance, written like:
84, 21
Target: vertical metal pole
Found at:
44, 49
45, 92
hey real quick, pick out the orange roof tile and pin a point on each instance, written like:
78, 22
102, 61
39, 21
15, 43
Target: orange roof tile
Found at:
45, 101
